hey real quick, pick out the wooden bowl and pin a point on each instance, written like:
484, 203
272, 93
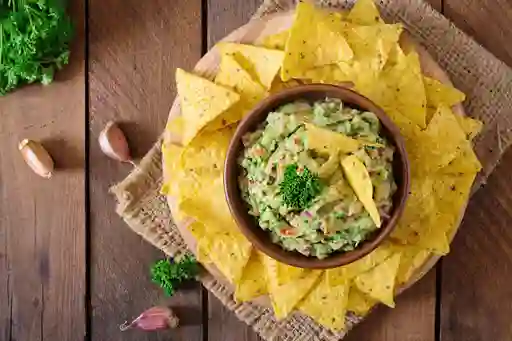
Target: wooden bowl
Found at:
249, 225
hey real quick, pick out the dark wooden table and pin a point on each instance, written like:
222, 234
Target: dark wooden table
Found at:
71, 270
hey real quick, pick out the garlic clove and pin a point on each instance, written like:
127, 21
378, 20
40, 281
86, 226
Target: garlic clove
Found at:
113, 143
38, 158
155, 318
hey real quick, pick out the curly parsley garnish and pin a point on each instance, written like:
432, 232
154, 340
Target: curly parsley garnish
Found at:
170, 274
298, 189
34, 41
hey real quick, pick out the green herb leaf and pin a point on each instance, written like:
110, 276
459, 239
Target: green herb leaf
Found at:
298, 189
169, 274
34, 41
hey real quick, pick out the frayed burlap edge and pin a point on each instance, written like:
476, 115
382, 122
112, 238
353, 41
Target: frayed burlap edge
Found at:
486, 81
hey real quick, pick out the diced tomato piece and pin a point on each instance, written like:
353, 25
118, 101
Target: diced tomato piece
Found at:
288, 231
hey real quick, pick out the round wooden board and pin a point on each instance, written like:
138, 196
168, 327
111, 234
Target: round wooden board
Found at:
251, 33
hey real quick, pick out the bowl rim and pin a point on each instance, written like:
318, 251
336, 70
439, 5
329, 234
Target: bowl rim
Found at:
249, 226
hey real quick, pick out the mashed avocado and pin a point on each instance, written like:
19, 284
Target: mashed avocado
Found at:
318, 213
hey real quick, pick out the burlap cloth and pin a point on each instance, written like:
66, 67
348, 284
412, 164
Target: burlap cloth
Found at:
486, 80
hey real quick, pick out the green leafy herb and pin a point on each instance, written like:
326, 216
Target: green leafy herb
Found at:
170, 274
298, 189
34, 41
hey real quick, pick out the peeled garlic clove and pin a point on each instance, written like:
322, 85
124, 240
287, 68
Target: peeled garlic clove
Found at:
37, 158
113, 143
155, 318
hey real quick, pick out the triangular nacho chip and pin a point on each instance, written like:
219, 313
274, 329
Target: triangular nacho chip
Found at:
466, 162
404, 91
261, 63
441, 142
232, 75
275, 41
207, 151
470, 126
342, 274
359, 303
359, 179
229, 251
441, 94
285, 297
412, 259
201, 101
379, 282
327, 304
315, 39
364, 12
254, 279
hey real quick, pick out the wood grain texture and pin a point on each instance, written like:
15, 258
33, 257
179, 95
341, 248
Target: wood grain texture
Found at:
476, 292
224, 16
437, 4
135, 48
411, 320
488, 21
476, 297
42, 226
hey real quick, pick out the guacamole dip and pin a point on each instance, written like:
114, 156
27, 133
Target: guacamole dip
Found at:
293, 182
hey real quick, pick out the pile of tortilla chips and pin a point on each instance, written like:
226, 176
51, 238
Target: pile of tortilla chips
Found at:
330, 47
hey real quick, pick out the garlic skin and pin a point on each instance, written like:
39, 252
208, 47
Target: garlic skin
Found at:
155, 318
113, 143
38, 158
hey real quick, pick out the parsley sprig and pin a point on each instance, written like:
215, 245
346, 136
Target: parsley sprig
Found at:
298, 189
34, 41
170, 274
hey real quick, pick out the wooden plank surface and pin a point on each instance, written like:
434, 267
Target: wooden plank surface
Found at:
488, 21
476, 298
42, 227
135, 48
476, 294
224, 16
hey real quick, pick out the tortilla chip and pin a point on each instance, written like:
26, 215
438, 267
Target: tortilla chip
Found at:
359, 303
207, 152
432, 234
326, 141
438, 145
283, 273
441, 94
342, 274
201, 101
471, 127
379, 282
359, 179
404, 91
178, 182
228, 250
233, 76
466, 162
198, 231
315, 39
278, 85
197, 203
412, 259
261, 63
253, 282
327, 304
431, 227
175, 127
364, 12
285, 297
451, 192
171, 155
331, 74
372, 44
275, 41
